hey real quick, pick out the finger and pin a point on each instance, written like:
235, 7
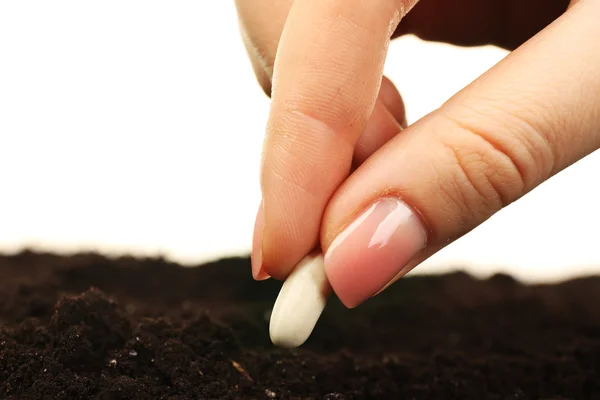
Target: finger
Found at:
261, 24
391, 99
386, 121
532, 115
326, 79
381, 128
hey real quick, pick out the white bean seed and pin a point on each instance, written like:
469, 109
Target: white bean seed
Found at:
300, 302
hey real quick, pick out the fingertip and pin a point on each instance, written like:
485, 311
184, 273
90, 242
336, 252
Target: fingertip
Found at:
279, 260
304, 162
373, 249
256, 258
260, 275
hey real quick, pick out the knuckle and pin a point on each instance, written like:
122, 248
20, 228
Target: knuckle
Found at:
487, 175
524, 135
458, 203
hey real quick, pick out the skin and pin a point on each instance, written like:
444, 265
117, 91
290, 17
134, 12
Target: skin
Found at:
337, 140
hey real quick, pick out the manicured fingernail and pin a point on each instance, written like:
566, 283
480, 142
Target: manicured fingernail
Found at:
256, 256
373, 249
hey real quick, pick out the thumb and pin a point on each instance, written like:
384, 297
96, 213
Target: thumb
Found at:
532, 115
326, 79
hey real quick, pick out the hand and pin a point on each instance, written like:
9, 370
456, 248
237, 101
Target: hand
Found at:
340, 171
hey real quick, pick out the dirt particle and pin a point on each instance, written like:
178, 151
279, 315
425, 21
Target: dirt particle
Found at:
241, 370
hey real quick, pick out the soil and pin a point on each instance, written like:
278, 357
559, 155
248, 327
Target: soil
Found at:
91, 327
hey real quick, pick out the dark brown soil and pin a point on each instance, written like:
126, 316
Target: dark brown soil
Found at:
88, 327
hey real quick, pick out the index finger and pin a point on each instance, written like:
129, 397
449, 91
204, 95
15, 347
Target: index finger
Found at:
326, 78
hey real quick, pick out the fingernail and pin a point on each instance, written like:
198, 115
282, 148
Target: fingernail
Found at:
373, 249
256, 256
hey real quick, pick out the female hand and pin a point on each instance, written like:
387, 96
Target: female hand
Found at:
340, 170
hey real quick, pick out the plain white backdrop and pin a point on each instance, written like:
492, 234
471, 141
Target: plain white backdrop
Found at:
136, 127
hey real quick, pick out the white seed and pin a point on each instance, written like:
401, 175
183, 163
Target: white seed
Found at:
300, 302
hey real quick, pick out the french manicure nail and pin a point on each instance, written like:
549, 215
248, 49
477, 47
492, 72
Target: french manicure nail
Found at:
256, 256
373, 249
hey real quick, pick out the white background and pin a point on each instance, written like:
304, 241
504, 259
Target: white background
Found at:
136, 127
